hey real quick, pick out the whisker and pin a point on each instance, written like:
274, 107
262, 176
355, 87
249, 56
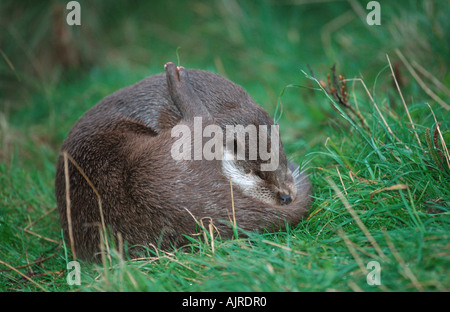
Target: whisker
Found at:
304, 176
300, 181
306, 163
296, 173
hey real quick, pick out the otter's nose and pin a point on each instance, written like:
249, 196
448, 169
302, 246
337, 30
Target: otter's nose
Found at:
285, 199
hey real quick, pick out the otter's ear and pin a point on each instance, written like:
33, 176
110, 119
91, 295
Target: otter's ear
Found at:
182, 93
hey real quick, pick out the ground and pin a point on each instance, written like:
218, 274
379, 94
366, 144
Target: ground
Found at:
376, 151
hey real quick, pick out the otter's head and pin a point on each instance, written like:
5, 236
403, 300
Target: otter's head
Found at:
271, 181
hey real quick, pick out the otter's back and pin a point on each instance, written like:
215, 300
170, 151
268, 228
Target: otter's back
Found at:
148, 102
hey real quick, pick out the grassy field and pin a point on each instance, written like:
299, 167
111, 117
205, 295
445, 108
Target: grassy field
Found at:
376, 151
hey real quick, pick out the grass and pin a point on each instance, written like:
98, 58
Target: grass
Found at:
381, 187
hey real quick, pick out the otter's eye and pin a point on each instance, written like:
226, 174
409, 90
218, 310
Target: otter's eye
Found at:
260, 174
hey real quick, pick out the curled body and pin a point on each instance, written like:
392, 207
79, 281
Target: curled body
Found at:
124, 144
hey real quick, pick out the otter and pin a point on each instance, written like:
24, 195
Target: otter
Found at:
123, 146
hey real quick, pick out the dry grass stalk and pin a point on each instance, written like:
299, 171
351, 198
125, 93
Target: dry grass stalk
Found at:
23, 275
68, 203
354, 287
420, 81
352, 250
232, 205
402, 263
403, 101
340, 93
103, 233
284, 247
342, 182
389, 188
27, 230
42, 237
120, 247
31, 264
336, 87
376, 107
356, 218
425, 73
211, 235
444, 146
352, 174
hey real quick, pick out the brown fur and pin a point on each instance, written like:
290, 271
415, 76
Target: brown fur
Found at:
123, 145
